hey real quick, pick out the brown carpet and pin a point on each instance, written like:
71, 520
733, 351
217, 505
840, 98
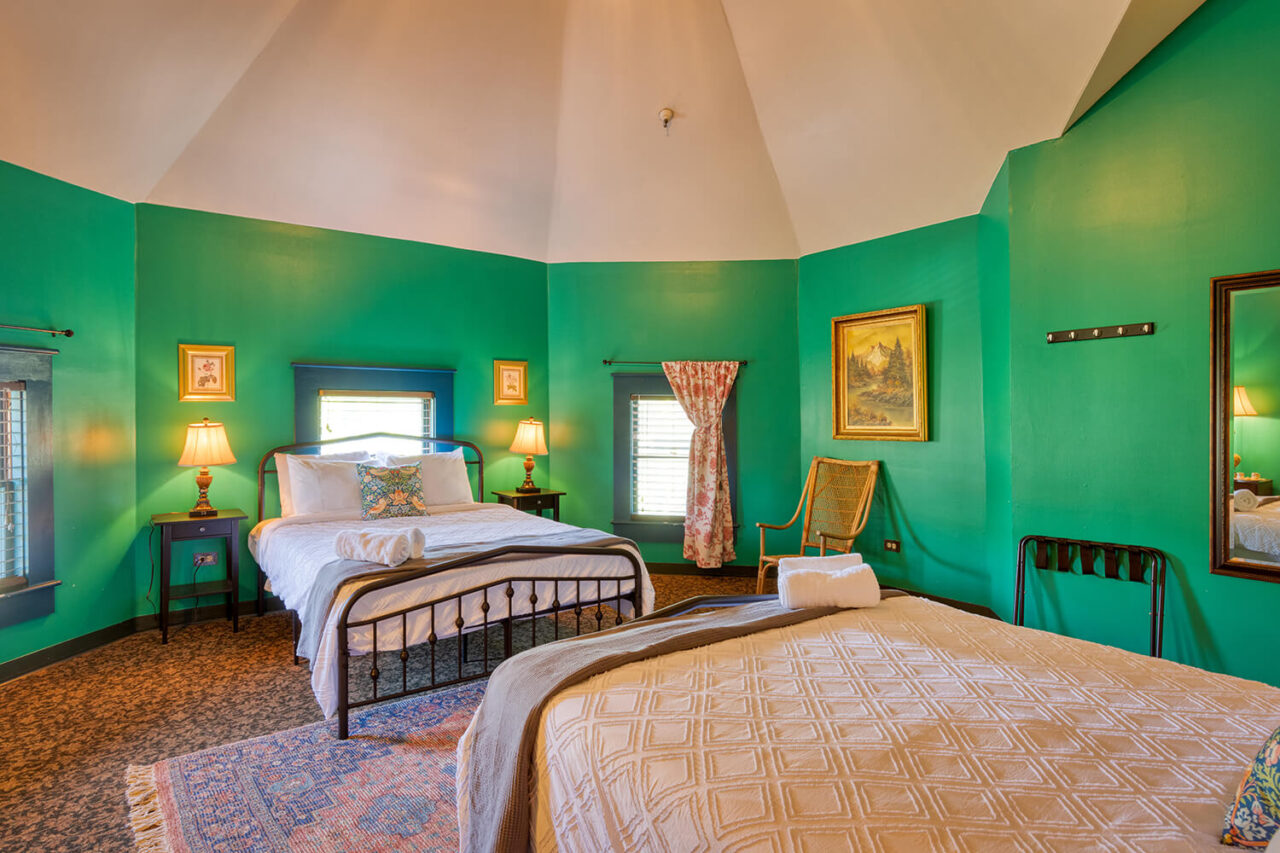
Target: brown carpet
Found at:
68, 731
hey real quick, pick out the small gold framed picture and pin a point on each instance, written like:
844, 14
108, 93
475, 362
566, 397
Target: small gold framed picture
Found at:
206, 373
510, 383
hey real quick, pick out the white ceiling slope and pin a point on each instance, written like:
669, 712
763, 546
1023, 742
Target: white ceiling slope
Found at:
628, 190
530, 127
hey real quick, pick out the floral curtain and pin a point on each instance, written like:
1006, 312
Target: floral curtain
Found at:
702, 387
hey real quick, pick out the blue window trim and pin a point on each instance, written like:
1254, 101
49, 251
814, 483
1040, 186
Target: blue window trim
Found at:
308, 379
639, 528
34, 366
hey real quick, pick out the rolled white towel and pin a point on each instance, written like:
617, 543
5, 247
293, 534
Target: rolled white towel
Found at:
417, 543
829, 563
1244, 500
373, 546
826, 582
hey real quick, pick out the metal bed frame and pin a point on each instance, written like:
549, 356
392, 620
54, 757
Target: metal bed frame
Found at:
1137, 559
490, 593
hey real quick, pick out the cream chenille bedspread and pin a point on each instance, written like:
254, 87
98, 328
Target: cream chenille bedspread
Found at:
907, 727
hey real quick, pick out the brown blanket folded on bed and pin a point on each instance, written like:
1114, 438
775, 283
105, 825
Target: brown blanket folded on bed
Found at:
505, 728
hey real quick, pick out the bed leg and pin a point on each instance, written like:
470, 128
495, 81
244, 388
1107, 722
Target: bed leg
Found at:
262, 593
293, 634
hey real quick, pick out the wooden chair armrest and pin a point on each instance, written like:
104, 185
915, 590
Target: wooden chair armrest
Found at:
762, 525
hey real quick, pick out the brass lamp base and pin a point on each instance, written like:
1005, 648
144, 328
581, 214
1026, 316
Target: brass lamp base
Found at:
203, 509
527, 485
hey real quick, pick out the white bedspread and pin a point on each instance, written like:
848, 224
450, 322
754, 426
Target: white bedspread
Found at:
907, 727
1259, 529
292, 551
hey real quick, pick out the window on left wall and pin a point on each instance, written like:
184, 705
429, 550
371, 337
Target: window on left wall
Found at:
26, 484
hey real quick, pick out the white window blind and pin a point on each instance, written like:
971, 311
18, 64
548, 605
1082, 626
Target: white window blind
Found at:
347, 413
660, 435
13, 483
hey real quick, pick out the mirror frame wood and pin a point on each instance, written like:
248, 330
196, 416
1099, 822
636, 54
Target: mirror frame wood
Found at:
1222, 563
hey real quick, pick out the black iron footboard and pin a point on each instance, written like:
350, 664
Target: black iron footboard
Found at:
498, 608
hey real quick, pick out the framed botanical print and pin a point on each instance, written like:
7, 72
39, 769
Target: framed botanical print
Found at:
510, 383
879, 390
206, 372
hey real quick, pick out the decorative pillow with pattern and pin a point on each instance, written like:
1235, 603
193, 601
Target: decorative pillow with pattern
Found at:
1254, 817
390, 492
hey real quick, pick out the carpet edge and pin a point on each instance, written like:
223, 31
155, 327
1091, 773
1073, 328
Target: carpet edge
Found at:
145, 816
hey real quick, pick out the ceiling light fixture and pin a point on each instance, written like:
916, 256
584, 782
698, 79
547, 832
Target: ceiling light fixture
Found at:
666, 114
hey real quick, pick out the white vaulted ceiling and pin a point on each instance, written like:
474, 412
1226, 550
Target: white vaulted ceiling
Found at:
531, 128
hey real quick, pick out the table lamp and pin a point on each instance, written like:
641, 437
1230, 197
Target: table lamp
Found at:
206, 445
530, 439
1241, 407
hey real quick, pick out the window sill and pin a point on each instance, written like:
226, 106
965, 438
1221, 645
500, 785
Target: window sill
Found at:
650, 531
27, 602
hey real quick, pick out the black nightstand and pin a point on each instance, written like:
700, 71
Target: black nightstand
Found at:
179, 527
533, 501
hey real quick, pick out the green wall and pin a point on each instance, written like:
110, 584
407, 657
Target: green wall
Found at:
1169, 181
667, 311
931, 495
284, 293
66, 261
1255, 364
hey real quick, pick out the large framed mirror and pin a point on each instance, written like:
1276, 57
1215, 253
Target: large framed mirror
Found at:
1246, 425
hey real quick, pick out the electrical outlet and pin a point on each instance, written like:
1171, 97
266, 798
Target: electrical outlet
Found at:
204, 558
892, 545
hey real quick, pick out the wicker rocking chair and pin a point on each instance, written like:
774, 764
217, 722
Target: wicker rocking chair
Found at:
836, 501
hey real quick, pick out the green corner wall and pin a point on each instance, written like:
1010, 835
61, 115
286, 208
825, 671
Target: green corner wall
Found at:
66, 261
1170, 180
285, 293
931, 495
663, 311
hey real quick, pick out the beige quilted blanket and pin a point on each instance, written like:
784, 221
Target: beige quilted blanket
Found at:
907, 727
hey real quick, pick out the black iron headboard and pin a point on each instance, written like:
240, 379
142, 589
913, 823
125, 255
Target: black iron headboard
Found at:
1135, 560
269, 457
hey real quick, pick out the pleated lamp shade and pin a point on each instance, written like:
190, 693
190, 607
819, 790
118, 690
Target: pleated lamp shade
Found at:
531, 439
1241, 405
206, 445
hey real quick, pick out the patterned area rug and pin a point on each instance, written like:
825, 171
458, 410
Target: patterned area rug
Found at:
389, 787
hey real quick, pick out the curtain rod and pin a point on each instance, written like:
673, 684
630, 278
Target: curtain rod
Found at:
608, 361
54, 332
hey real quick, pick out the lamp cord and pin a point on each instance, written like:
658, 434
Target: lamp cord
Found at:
151, 581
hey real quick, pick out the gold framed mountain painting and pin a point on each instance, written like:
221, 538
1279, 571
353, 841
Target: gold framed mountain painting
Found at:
878, 384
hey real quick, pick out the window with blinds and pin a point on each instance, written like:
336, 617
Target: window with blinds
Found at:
660, 435
13, 484
651, 436
348, 413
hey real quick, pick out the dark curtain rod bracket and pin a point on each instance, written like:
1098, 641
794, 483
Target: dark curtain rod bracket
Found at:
53, 332
609, 361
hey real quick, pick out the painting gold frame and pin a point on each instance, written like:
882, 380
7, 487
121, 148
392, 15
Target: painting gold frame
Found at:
206, 373
510, 383
894, 413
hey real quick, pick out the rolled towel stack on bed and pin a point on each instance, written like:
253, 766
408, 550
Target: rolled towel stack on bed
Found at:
841, 580
417, 543
1244, 500
374, 546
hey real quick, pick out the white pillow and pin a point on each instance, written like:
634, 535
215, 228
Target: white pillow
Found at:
311, 484
444, 476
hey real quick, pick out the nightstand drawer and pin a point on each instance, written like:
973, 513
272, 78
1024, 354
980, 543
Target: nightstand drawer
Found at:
202, 528
538, 501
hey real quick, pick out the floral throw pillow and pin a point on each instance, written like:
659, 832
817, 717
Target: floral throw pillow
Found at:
390, 492
1254, 817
